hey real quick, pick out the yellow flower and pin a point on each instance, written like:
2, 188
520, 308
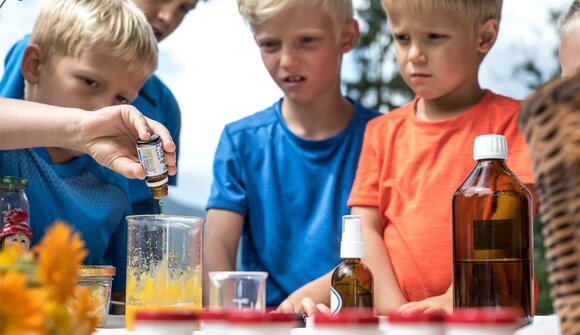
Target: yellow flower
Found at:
22, 308
60, 255
10, 255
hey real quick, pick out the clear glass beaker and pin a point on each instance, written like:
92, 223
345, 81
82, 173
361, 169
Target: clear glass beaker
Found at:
237, 290
163, 264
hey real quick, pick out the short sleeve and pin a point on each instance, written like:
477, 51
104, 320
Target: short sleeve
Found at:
228, 189
365, 190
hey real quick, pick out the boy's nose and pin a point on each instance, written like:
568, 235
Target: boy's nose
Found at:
416, 56
166, 15
288, 58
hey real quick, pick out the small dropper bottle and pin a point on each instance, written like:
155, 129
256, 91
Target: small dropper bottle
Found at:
152, 157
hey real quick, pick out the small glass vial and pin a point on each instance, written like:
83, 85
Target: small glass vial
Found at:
483, 321
12, 195
410, 323
152, 157
346, 322
160, 322
98, 279
14, 214
259, 323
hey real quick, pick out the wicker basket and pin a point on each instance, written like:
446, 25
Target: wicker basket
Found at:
550, 120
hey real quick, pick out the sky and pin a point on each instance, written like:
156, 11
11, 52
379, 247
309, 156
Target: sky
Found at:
214, 69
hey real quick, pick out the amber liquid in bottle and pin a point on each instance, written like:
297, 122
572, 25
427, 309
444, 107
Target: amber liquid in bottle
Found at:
492, 236
352, 285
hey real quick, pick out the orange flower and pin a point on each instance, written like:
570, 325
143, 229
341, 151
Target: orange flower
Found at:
22, 308
60, 255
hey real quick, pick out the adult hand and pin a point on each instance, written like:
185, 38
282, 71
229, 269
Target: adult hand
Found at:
109, 135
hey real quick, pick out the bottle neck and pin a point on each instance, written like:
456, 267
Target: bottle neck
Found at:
351, 260
491, 160
491, 163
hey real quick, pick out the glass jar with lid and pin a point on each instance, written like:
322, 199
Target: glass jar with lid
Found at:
13, 196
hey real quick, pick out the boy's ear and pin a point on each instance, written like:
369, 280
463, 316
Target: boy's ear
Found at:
350, 35
487, 35
31, 61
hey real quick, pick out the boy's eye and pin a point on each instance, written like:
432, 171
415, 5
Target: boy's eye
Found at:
90, 82
269, 44
307, 39
185, 9
435, 36
402, 37
121, 99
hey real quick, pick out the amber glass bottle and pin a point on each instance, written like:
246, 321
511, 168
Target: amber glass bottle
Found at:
352, 280
152, 158
492, 234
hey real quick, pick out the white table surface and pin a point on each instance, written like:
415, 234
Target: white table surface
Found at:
542, 325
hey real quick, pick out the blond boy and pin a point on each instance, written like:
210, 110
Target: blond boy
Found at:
415, 157
282, 175
83, 54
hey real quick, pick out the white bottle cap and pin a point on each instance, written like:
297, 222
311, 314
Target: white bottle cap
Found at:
352, 245
490, 147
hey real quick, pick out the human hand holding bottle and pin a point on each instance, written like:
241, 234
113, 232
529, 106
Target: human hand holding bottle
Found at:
109, 135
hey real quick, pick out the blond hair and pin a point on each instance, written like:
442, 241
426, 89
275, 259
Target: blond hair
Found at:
68, 27
468, 11
571, 19
256, 12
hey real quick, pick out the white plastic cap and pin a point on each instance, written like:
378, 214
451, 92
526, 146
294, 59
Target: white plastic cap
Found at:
352, 245
490, 147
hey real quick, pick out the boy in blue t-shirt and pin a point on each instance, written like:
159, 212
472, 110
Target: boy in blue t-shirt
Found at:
155, 99
83, 54
282, 176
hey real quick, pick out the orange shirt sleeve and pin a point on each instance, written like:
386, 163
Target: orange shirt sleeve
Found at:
365, 189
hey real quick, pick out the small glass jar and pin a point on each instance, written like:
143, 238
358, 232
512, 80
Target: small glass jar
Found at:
409, 323
98, 279
163, 322
260, 323
12, 195
346, 322
483, 321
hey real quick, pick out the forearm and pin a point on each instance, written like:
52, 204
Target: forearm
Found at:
387, 293
221, 238
25, 124
318, 290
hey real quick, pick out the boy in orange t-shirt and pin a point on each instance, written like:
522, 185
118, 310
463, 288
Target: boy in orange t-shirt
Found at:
414, 158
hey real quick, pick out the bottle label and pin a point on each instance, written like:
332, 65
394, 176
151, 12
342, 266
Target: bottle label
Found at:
153, 159
494, 234
335, 301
